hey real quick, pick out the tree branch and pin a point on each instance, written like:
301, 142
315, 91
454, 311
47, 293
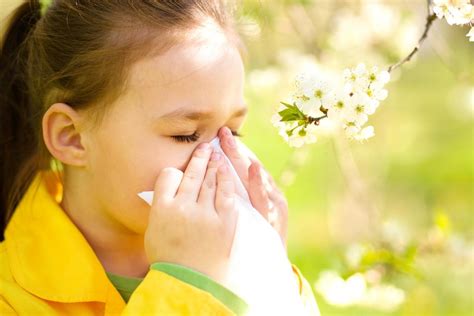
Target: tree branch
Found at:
429, 21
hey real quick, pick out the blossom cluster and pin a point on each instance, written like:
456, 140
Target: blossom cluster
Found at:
456, 12
346, 103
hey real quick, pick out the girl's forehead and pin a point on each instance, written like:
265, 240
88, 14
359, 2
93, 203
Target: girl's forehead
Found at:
203, 51
195, 73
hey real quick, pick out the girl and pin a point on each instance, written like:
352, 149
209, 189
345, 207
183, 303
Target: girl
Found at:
101, 100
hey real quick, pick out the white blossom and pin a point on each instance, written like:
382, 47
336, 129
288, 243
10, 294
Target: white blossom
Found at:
455, 12
376, 93
339, 106
309, 105
311, 93
299, 135
378, 79
356, 78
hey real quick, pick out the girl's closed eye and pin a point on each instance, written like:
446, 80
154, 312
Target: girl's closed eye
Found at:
195, 137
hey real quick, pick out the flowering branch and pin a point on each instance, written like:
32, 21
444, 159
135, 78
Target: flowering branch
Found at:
346, 103
460, 14
349, 103
429, 21
315, 120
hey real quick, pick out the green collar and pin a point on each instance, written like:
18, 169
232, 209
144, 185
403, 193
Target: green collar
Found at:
124, 285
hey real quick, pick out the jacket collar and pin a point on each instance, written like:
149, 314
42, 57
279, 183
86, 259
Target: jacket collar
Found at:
48, 255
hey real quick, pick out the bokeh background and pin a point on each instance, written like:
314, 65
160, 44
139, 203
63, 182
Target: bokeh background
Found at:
384, 227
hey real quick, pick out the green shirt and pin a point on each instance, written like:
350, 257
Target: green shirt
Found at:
124, 285
127, 285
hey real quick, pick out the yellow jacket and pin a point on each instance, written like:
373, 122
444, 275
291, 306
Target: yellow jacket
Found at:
48, 268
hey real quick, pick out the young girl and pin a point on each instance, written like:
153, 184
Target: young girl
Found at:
124, 97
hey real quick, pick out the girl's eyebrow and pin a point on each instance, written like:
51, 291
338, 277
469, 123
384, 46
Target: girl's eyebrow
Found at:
190, 115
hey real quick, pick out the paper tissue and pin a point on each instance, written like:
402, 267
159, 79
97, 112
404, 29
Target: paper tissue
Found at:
259, 270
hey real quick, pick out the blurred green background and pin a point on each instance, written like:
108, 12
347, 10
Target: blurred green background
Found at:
396, 211
384, 227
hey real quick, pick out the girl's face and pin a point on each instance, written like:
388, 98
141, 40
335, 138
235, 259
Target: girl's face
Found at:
172, 103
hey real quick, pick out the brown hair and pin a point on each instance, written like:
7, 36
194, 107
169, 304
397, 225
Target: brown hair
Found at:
79, 52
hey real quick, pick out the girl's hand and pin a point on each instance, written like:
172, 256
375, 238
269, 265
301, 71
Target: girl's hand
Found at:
193, 216
263, 191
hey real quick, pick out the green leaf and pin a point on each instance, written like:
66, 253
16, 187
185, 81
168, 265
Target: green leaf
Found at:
291, 113
287, 104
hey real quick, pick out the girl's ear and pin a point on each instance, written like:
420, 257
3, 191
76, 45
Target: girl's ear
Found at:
62, 134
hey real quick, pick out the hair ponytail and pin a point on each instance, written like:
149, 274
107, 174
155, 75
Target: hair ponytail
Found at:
18, 136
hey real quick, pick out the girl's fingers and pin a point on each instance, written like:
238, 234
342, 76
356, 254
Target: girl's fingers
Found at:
225, 196
167, 184
258, 193
240, 162
194, 173
278, 198
268, 199
208, 188
225, 200
267, 178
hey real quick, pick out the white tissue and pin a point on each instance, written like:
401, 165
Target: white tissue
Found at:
259, 270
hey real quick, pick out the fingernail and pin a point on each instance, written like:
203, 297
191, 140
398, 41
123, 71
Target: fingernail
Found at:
203, 146
215, 155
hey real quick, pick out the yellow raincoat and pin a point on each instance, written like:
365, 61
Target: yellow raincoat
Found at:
47, 267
